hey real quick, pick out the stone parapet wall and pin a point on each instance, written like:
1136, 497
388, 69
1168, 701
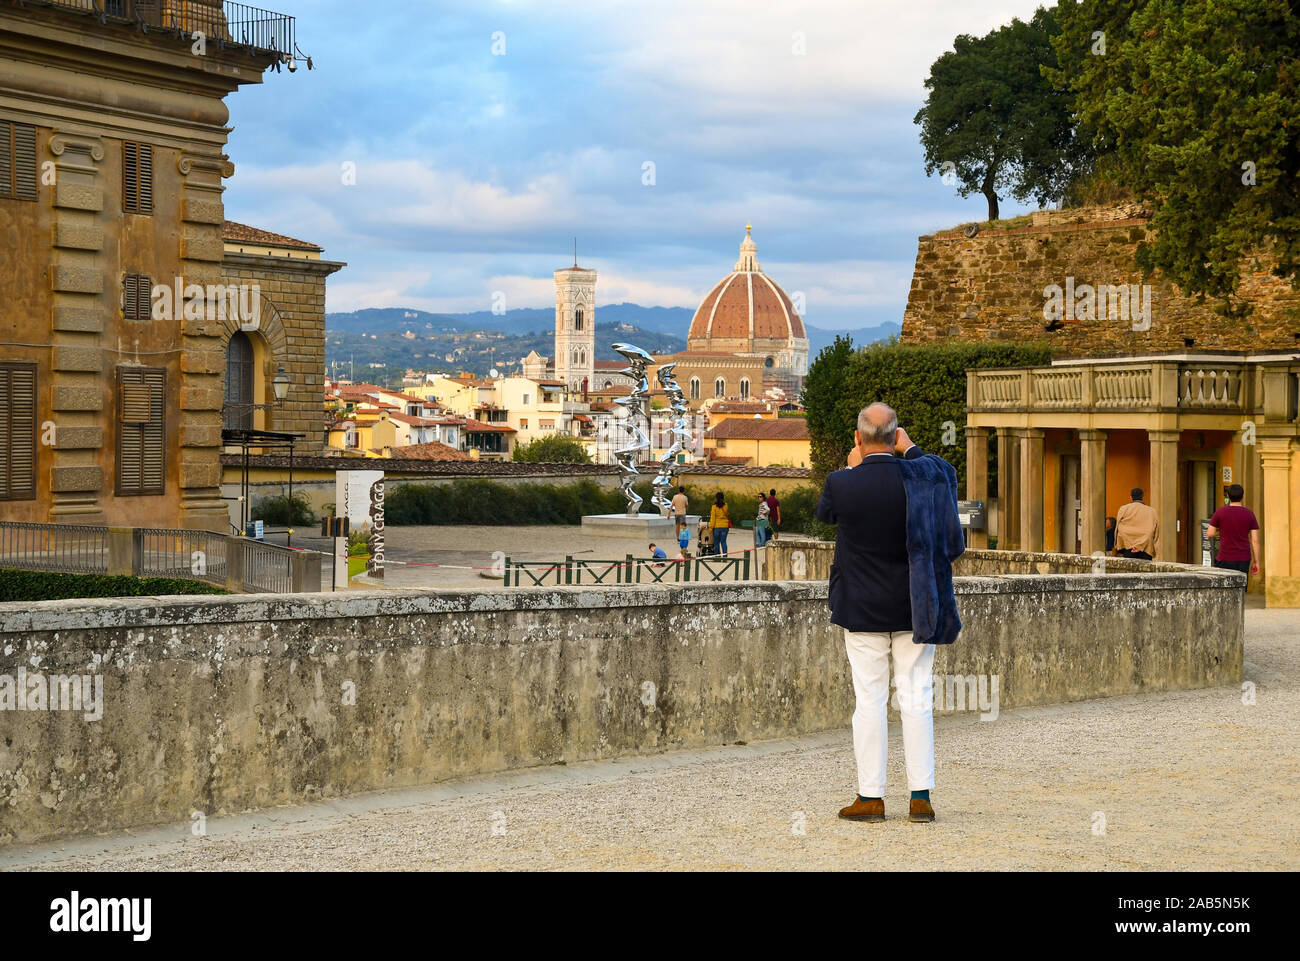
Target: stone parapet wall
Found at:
224, 705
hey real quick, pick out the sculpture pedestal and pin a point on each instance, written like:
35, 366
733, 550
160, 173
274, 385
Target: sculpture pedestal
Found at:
649, 527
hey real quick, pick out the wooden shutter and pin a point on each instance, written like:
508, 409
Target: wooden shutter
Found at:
137, 177
17, 161
17, 431
6, 159
146, 179
24, 161
141, 431
136, 296
130, 177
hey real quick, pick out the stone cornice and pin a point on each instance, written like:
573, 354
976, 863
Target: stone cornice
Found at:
263, 262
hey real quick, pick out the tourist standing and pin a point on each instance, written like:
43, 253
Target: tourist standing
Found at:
719, 523
774, 513
762, 529
897, 534
679, 510
1137, 529
1238, 532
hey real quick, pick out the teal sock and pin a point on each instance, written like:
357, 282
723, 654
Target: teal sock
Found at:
861, 798
920, 795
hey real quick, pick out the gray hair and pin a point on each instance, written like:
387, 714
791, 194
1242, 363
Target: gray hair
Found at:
877, 433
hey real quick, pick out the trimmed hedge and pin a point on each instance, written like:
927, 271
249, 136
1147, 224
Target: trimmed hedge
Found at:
488, 503
16, 585
925, 383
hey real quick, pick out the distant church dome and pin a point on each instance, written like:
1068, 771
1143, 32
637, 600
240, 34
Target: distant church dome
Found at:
748, 313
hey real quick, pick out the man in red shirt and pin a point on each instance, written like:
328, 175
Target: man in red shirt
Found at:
1238, 533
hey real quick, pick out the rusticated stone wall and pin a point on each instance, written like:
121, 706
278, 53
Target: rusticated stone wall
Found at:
292, 326
991, 286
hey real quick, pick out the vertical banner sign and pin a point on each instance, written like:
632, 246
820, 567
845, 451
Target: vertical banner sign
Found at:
375, 566
359, 496
341, 543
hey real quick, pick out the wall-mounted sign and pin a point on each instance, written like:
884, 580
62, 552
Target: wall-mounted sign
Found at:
1227, 475
971, 514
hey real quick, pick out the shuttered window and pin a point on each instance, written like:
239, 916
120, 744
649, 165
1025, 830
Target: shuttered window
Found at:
17, 161
137, 177
141, 431
136, 290
17, 432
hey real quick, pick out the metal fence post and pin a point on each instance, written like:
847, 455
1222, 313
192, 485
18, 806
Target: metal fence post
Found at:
568, 569
306, 572
122, 556
234, 564
746, 575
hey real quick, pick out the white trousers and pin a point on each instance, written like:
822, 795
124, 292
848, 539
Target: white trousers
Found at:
869, 656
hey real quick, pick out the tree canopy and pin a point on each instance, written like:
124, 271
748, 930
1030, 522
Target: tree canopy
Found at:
556, 448
992, 121
1197, 103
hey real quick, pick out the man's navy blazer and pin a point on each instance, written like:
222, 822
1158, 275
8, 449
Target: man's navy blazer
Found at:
892, 568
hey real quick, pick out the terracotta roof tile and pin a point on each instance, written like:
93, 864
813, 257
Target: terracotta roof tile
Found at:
430, 451
747, 428
237, 233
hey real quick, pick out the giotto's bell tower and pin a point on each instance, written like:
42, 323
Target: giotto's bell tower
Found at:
575, 327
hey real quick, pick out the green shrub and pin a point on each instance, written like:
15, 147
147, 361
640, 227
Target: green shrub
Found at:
489, 503
556, 449
276, 510
925, 383
16, 585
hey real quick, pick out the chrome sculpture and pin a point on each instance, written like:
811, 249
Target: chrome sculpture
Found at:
681, 434
636, 405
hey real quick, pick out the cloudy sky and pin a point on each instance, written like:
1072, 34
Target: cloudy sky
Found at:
485, 135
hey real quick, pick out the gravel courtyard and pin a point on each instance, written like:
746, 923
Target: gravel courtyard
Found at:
445, 557
1193, 780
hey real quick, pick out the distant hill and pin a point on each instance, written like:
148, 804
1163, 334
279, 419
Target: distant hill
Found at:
671, 322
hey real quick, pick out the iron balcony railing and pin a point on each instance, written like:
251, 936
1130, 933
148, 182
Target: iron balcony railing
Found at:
66, 548
197, 555
239, 564
221, 21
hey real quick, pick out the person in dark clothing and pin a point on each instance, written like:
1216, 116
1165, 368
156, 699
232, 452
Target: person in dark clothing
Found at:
1110, 534
871, 598
774, 513
1237, 529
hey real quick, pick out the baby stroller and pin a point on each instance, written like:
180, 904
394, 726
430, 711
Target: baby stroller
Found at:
705, 540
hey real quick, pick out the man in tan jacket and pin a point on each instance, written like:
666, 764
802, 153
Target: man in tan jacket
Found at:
1137, 529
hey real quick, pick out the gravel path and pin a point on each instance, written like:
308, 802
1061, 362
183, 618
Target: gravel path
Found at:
1184, 781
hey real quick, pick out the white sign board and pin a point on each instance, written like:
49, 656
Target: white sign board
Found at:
352, 495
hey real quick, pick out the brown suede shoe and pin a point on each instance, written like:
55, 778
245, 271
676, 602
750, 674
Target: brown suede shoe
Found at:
920, 811
861, 810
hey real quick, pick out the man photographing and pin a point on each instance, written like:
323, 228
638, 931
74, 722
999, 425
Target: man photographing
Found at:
893, 596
